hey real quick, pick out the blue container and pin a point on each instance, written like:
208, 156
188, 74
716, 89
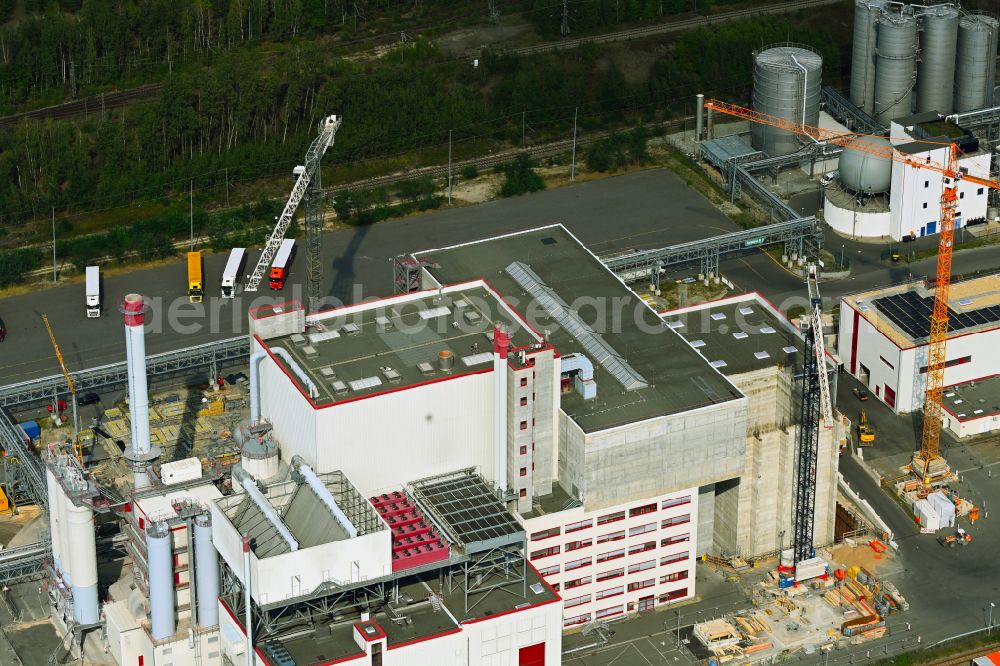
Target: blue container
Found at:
31, 430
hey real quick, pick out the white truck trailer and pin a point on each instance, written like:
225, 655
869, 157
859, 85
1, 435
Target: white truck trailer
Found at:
93, 292
234, 269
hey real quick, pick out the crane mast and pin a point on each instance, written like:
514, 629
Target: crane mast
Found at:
307, 185
951, 173
70, 384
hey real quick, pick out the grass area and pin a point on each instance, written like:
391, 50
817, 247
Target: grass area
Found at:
941, 652
967, 245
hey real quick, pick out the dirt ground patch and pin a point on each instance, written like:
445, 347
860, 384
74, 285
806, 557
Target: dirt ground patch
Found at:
861, 555
461, 41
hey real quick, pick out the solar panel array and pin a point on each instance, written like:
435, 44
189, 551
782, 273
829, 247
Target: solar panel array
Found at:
596, 347
912, 314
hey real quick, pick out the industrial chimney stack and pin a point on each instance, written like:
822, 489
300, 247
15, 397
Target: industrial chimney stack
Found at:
501, 344
142, 452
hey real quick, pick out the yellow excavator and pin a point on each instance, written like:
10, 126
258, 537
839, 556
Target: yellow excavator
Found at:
866, 434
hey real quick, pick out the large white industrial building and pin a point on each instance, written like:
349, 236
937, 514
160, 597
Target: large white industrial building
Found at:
876, 198
515, 446
883, 337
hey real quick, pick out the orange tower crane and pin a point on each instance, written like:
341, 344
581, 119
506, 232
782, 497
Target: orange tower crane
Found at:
930, 443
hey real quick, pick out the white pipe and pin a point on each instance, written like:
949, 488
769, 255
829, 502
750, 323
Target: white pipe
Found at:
272, 516
248, 618
324, 495
805, 87
84, 557
206, 572
501, 342
67, 560
255, 360
160, 580
54, 526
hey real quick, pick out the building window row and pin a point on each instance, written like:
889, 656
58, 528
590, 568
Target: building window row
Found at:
544, 552
674, 577
608, 612
642, 547
577, 545
577, 564
610, 592
676, 520
545, 534
608, 575
579, 582
548, 571
640, 585
641, 566
675, 501
611, 555
577, 601
642, 510
576, 619
582, 525
949, 364
613, 536
676, 557
677, 538
642, 529
673, 594
611, 518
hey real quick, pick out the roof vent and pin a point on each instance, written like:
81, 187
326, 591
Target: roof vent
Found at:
789, 349
719, 364
477, 359
432, 313
718, 316
425, 367
365, 383
323, 336
697, 343
390, 374
351, 329
446, 359
461, 303
675, 324
339, 387
767, 330
309, 351
297, 339
383, 323
739, 335
472, 316
761, 355
327, 372
746, 311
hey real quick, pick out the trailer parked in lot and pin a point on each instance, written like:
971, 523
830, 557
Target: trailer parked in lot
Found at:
93, 292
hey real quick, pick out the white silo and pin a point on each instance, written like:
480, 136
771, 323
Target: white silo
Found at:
83, 557
206, 572
787, 82
160, 579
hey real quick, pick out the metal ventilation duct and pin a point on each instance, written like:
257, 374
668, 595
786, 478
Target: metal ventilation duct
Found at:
936, 70
786, 83
895, 70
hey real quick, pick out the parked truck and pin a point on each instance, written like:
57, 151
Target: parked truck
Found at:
93, 292
234, 269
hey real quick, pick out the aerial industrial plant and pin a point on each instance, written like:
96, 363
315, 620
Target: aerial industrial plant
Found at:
746, 415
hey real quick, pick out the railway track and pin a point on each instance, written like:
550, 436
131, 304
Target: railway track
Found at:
86, 105
964, 658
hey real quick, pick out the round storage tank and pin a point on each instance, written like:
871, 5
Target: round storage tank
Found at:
861, 171
866, 13
895, 66
975, 63
260, 458
936, 71
786, 84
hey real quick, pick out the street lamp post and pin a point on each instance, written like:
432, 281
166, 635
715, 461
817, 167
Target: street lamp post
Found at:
989, 622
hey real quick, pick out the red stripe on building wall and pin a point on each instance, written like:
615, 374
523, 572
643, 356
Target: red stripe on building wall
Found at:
854, 344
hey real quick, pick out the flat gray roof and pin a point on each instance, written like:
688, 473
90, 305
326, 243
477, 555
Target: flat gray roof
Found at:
973, 400
414, 618
738, 336
679, 378
383, 347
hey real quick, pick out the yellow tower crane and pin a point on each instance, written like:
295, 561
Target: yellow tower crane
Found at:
70, 384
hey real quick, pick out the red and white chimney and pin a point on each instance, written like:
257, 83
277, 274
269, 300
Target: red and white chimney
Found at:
501, 345
141, 451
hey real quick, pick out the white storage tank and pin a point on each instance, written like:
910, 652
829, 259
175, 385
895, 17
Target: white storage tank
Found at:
866, 13
975, 65
936, 70
862, 171
259, 458
895, 66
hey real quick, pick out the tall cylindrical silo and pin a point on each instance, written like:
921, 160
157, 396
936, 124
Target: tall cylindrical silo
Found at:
55, 529
975, 64
160, 563
62, 502
206, 572
82, 551
787, 82
866, 13
895, 66
936, 71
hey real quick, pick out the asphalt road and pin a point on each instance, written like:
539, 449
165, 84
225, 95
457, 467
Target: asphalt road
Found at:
642, 209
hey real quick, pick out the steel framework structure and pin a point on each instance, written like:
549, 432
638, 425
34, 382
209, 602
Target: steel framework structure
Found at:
847, 111
797, 235
22, 467
807, 451
24, 562
211, 354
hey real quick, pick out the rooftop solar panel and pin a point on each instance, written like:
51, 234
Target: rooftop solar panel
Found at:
911, 312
